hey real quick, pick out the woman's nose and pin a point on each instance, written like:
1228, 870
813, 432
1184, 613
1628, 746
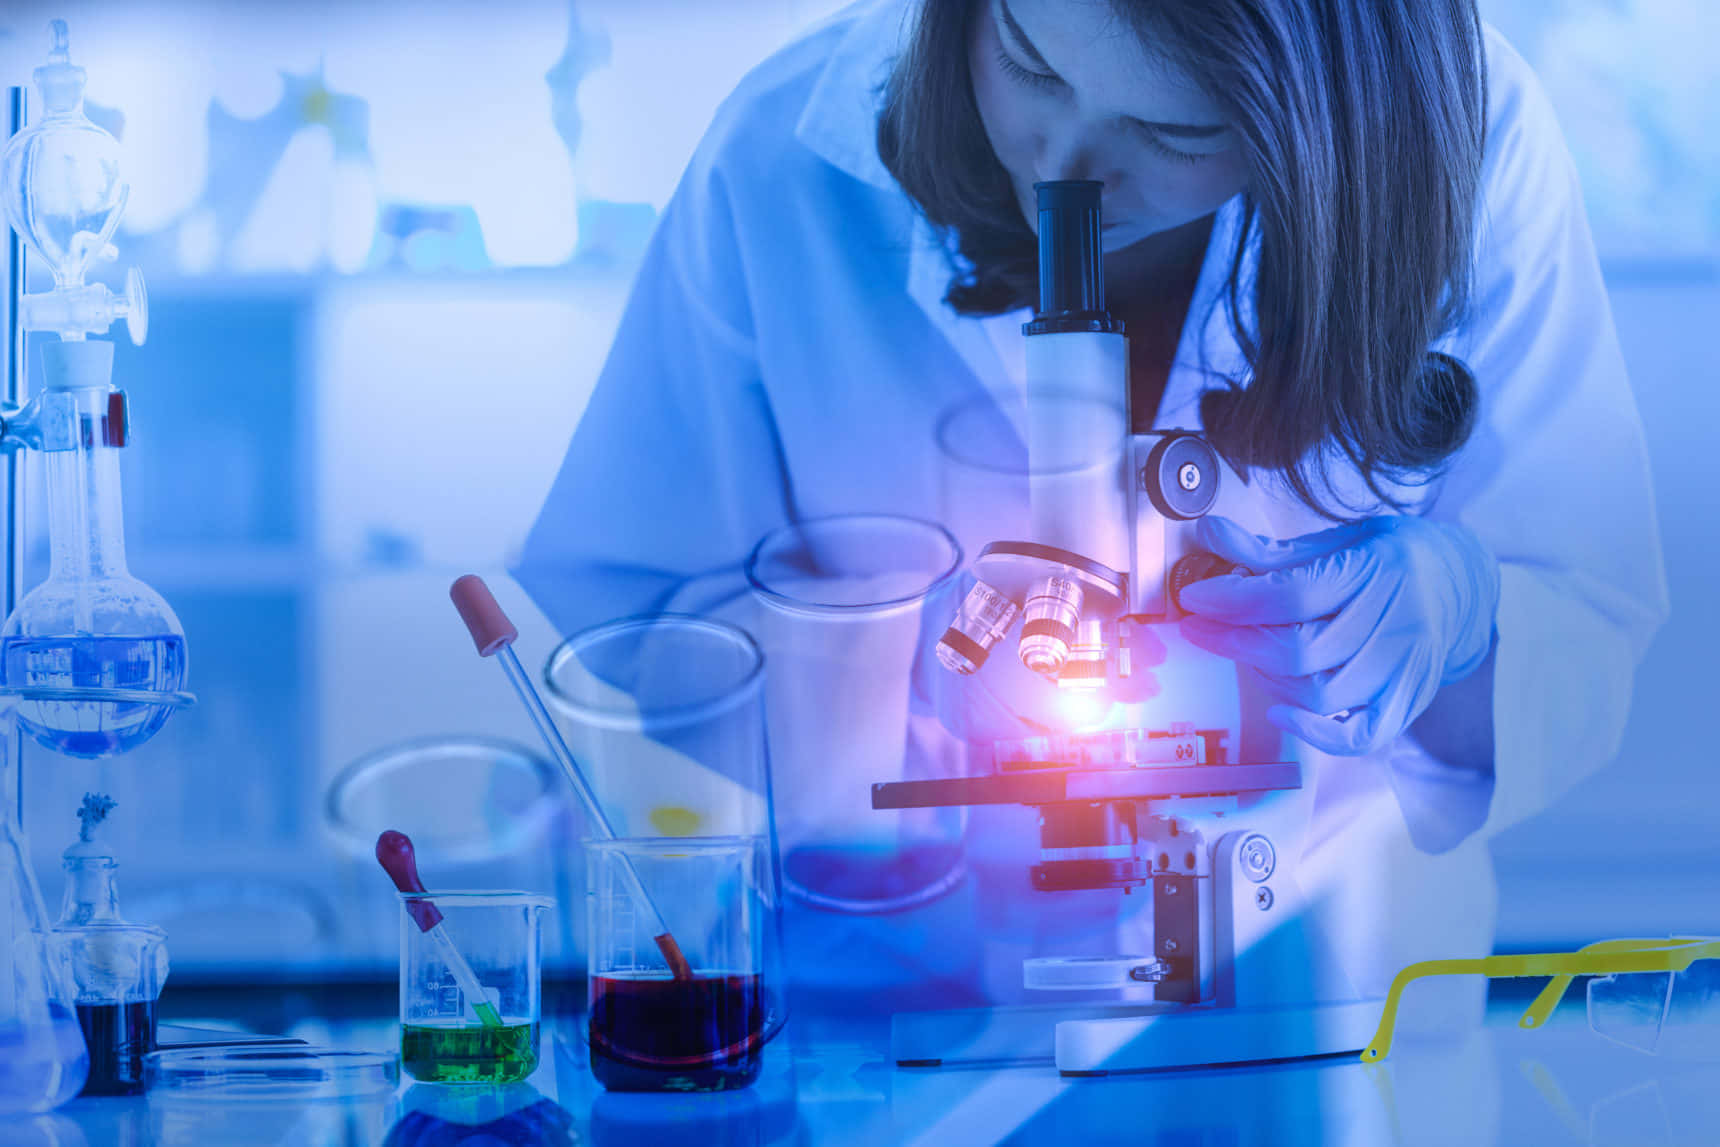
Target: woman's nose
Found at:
1073, 157
1062, 159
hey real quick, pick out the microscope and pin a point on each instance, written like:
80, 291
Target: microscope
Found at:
1239, 969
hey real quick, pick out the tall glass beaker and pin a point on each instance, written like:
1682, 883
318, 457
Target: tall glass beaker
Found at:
667, 713
842, 607
43, 1062
1014, 468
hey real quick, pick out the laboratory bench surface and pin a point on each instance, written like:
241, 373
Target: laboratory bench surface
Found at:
829, 1081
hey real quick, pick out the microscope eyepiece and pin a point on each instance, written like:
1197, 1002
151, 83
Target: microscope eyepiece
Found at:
1071, 266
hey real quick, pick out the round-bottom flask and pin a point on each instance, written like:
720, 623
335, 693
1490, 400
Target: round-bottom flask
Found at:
95, 656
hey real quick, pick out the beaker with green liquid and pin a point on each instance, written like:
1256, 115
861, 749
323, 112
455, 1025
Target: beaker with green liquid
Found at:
447, 1035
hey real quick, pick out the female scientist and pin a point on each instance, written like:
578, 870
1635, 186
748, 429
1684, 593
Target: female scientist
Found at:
1458, 559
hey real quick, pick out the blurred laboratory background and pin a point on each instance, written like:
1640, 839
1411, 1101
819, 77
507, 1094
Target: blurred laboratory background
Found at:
387, 245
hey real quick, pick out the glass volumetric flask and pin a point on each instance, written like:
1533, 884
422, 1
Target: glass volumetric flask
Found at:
42, 1058
843, 606
96, 657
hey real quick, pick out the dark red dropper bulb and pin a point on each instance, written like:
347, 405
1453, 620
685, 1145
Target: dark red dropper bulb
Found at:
394, 853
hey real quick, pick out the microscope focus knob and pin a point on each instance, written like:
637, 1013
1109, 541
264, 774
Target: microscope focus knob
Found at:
1181, 476
1194, 567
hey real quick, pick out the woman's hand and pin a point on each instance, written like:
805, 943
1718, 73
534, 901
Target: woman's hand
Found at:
1353, 629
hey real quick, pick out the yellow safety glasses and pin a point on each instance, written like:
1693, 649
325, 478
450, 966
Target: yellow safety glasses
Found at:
1642, 1003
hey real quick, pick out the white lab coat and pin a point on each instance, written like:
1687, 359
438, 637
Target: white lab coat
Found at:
786, 354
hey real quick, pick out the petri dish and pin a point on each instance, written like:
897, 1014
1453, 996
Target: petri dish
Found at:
269, 1073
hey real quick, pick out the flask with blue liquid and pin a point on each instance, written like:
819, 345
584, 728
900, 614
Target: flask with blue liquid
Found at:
96, 656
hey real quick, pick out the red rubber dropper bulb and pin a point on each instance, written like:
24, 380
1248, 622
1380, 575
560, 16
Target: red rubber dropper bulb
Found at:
394, 853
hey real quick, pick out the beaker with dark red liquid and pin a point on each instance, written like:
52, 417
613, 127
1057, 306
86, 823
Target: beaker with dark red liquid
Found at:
667, 713
705, 1030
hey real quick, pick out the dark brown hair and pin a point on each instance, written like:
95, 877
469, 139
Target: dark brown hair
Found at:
1362, 124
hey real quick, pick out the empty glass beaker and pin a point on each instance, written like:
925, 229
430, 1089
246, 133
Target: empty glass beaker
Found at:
665, 711
843, 603
461, 799
651, 1031
1020, 469
446, 1036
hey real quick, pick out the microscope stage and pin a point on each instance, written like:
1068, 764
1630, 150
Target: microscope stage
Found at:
1051, 786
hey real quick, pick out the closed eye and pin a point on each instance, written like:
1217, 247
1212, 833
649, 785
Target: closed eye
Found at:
1027, 76
1036, 74
1156, 142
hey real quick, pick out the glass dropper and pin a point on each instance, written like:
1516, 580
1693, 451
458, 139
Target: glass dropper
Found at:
494, 634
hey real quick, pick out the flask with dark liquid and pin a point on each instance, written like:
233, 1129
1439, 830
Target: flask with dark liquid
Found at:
117, 967
118, 1036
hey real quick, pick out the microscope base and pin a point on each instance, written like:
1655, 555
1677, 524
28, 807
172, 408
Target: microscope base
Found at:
1094, 1039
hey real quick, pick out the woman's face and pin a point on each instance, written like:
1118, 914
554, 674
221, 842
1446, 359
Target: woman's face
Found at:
1067, 91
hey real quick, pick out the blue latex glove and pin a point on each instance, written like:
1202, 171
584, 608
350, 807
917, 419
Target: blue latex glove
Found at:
1353, 629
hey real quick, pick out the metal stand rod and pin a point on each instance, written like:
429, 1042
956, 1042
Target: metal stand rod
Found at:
13, 395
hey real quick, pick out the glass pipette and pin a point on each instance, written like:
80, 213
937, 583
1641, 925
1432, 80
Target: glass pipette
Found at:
494, 635
394, 852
